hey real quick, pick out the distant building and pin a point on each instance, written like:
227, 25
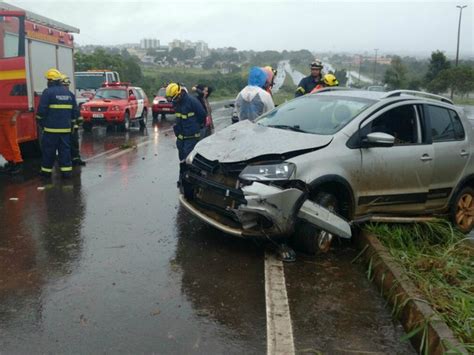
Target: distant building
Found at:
201, 47
149, 43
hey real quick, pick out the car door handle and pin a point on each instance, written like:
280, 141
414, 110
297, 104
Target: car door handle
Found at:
426, 157
464, 153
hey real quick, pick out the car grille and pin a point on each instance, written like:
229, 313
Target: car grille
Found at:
216, 187
99, 108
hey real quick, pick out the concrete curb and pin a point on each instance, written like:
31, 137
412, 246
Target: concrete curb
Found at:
408, 304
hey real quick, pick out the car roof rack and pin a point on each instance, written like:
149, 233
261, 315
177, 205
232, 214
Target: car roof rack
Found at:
332, 88
417, 93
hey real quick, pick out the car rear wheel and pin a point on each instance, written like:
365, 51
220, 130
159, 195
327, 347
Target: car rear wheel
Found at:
310, 239
87, 126
143, 119
462, 210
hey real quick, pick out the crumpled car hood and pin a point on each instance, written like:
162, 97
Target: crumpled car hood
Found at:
246, 140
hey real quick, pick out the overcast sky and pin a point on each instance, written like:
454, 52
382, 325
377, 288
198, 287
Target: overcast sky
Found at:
403, 26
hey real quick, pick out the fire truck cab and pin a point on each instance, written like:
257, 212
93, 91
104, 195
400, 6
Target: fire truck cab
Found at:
30, 44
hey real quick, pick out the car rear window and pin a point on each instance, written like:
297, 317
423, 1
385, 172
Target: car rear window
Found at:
161, 92
317, 114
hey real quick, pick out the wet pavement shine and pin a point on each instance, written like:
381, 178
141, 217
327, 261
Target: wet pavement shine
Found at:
109, 262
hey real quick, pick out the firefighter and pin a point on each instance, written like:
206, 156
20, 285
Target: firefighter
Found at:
328, 81
9, 147
77, 121
56, 110
190, 117
308, 83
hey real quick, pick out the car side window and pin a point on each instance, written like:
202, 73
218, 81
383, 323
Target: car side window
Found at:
444, 127
400, 122
139, 95
458, 128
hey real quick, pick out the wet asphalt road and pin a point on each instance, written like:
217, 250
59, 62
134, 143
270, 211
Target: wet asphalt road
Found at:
109, 262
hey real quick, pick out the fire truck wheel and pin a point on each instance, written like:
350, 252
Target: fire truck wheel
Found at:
87, 127
124, 127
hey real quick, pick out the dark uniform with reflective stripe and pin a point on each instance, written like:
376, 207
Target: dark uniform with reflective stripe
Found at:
307, 85
57, 111
190, 118
76, 122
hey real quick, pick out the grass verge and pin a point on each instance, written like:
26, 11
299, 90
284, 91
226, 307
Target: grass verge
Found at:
441, 264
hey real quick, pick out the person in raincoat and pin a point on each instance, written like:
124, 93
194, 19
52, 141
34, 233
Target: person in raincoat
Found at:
253, 100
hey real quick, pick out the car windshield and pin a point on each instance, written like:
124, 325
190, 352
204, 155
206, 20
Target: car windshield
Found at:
161, 92
87, 82
317, 114
111, 94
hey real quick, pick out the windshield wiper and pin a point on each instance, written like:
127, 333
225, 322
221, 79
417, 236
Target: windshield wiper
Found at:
295, 128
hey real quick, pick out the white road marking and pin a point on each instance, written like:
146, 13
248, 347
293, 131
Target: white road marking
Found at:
279, 328
128, 150
102, 154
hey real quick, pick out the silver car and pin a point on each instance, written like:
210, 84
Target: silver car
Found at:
321, 162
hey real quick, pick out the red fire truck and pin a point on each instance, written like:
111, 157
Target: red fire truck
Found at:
30, 44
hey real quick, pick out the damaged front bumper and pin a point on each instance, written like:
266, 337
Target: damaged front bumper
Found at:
261, 210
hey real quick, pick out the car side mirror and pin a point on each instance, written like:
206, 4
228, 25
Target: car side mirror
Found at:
132, 98
378, 139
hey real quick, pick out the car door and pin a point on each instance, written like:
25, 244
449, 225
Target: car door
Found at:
132, 103
395, 178
451, 153
140, 102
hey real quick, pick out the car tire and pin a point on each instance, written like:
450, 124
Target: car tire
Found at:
462, 210
143, 119
307, 237
87, 127
125, 126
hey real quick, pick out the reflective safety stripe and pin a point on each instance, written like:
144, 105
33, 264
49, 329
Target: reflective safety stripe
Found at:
180, 115
181, 137
75, 126
60, 106
39, 117
57, 130
301, 89
66, 168
46, 170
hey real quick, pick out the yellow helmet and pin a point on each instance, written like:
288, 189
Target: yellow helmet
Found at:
330, 80
173, 90
53, 74
65, 80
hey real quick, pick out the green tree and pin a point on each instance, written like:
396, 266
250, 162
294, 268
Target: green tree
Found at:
459, 79
395, 75
177, 53
438, 63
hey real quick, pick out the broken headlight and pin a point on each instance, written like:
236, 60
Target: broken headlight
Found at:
281, 171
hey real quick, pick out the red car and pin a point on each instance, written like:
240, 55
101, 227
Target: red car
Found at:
161, 105
116, 104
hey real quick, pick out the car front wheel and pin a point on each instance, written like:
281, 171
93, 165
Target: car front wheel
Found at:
310, 239
462, 210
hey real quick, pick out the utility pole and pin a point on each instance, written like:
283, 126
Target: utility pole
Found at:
360, 64
459, 31
459, 35
375, 65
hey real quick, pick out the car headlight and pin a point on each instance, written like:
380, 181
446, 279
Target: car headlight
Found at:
281, 171
115, 108
84, 108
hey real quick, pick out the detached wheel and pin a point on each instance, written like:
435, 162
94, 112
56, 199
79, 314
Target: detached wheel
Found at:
87, 127
312, 240
143, 119
462, 210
